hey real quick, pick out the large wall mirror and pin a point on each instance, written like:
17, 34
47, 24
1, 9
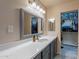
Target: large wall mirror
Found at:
30, 24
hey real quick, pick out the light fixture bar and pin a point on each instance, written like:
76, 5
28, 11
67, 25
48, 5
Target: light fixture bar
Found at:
36, 7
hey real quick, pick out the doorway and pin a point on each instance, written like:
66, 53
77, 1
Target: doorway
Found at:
69, 34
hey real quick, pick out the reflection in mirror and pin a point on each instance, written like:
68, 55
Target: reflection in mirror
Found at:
34, 25
30, 24
51, 24
27, 24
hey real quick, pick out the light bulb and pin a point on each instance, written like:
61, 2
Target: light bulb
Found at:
29, 6
43, 11
33, 5
38, 7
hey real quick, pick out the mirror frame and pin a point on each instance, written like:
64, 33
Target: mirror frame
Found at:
22, 36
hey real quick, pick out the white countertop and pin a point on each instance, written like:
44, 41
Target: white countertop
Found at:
25, 50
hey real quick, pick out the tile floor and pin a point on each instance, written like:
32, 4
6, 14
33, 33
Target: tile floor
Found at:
68, 52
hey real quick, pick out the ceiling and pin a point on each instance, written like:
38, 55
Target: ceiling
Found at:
48, 3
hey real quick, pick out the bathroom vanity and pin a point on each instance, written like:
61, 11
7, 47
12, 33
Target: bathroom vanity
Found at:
45, 48
31, 24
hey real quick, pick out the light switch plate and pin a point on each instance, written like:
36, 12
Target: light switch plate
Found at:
10, 28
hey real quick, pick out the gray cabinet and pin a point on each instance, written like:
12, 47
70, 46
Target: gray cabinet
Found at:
53, 49
49, 52
46, 53
46, 56
38, 56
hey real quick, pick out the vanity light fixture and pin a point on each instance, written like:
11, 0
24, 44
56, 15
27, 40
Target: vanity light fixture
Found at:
33, 5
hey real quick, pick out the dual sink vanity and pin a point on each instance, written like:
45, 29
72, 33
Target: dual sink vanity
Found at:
44, 48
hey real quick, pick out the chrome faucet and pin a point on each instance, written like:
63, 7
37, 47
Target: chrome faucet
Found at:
36, 37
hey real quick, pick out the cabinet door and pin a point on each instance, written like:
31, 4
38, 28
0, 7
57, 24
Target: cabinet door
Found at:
52, 50
38, 56
46, 56
55, 47
46, 53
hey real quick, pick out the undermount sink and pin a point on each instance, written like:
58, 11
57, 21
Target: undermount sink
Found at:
43, 40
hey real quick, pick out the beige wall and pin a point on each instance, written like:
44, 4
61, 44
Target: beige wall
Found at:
55, 12
9, 14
